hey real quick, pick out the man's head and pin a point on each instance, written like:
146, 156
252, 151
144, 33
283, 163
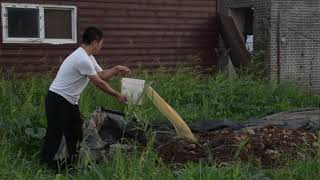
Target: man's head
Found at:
93, 37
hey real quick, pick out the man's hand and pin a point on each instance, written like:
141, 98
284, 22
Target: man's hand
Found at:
104, 86
122, 99
122, 70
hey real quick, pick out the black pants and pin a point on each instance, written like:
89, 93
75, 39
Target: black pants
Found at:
63, 118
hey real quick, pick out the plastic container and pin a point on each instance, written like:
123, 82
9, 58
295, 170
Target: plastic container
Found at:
133, 89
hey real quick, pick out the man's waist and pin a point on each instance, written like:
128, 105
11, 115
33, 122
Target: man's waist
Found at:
73, 99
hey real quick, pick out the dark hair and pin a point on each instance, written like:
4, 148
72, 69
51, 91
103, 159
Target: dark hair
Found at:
91, 34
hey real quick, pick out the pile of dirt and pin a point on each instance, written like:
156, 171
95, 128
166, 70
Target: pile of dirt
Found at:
267, 141
268, 146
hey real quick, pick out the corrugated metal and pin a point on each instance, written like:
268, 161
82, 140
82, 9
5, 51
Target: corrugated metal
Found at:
143, 33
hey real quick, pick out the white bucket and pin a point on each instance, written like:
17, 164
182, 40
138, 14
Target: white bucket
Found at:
133, 89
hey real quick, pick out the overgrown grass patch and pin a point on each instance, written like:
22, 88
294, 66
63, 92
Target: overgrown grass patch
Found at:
195, 97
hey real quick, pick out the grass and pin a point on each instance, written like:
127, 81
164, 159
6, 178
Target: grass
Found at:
195, 97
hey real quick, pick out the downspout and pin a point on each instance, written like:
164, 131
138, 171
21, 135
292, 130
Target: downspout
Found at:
278, 49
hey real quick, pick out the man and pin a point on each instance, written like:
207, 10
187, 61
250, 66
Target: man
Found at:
62, 110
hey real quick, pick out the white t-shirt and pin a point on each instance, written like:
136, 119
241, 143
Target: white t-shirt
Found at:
72, 77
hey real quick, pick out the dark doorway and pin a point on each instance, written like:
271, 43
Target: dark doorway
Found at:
243, 18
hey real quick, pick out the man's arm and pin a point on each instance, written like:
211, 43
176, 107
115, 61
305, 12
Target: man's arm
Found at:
101, 84
109, 73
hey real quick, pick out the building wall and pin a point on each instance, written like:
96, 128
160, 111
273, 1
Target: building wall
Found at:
288, 31
299, 42
137, 33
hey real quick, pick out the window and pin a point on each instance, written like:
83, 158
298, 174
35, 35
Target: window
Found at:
53, 20
35, 23
23, 22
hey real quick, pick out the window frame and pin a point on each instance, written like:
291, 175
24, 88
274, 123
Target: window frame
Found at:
41, 39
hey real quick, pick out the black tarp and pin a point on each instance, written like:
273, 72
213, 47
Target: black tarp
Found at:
106, 128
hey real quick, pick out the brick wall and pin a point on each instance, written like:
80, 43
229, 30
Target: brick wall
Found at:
288, 31
299, 40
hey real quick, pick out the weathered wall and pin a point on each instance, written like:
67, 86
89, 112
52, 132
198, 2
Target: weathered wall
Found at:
299, 42
145, 32
288, 32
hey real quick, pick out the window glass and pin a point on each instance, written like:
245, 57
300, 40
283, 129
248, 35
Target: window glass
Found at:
58, 24
23, 22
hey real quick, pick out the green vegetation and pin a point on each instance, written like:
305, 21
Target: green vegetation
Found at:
194, 96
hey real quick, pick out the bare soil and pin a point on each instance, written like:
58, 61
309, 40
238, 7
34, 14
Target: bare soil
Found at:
269, 146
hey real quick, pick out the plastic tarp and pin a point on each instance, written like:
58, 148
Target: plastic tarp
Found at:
106, 128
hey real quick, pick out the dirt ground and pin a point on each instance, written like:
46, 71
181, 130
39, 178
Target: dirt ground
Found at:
269, 146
